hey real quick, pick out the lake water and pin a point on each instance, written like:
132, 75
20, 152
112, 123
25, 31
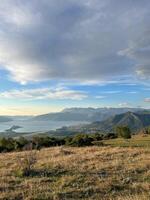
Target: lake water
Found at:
36, 126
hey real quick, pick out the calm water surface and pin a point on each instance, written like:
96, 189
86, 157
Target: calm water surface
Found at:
36, 126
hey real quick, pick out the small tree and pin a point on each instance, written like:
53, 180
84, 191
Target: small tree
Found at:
81, 140
97, 137
7, 144
68, 140
124, 132
108, 136
20, 143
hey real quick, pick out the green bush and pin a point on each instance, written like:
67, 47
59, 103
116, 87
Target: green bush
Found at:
46, 141
108, 136
7, 144
81, 140
20, 143
97, 136
68, 140
124, 132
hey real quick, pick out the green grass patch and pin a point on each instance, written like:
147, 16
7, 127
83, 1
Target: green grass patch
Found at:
135, 141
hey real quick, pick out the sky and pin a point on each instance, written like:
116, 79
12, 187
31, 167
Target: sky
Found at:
56, 54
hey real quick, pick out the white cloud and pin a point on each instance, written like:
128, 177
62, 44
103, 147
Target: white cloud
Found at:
100, 97
74, 40
124, 104
44, 93
113, 92
147, 100
132, 92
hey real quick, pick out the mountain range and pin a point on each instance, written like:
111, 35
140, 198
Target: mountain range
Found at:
84, 114
97, 119
135, 121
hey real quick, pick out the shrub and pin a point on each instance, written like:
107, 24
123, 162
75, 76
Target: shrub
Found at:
7, 144
108, 136
68, 140
123, 131
20, 143
46, 141
97, 137
38, 142
26, 164
81, 140
146, 131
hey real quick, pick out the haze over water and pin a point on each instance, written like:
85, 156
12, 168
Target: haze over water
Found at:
36, 126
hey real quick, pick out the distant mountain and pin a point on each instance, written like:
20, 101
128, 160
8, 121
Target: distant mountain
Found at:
84, 114
5, 119
20, 117
135, 121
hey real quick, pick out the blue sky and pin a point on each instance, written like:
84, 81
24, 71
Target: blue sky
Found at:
67, 53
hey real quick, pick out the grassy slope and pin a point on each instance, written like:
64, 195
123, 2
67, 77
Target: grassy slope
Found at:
63, 173
135, 141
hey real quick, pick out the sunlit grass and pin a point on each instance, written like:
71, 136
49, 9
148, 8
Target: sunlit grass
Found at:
135, 141
65, 173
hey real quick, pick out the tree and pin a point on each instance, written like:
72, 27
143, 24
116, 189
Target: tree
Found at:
7, 144
20, 143
123, 131
97, 137
81, 140
108, 136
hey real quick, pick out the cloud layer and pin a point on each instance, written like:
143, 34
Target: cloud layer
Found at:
147, 100
44, 93
74, 40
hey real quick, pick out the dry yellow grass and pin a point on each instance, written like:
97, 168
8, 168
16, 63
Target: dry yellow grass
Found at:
63, 173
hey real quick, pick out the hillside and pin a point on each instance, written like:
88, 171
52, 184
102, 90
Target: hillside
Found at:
84, 114
135, 121
88, 173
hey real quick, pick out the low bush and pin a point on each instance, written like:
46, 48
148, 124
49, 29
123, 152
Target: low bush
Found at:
38, 142
108, 136
97, 136
81, 140
123, 131
7, 144
25, 165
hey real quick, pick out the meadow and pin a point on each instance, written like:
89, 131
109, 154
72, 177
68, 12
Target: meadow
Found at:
64, 173
135, 141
